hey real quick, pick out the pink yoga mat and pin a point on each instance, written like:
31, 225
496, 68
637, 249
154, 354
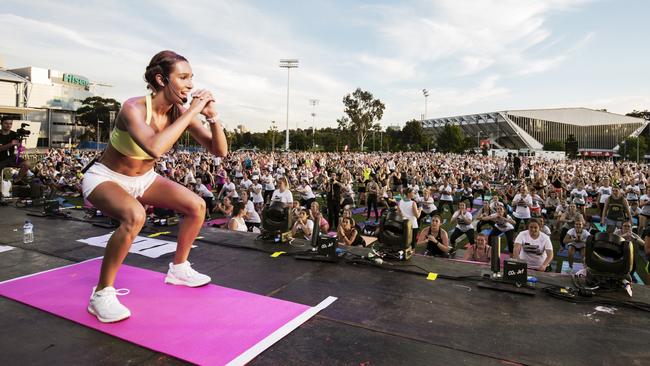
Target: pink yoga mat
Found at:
210, 325
216, 222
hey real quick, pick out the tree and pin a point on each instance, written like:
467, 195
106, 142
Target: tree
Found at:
363, 110
393, 139
554, 145
95, 109
299, 141
627, 148
413, 135
645, 114
451, 139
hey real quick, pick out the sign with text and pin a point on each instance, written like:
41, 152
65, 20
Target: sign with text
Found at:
76, 80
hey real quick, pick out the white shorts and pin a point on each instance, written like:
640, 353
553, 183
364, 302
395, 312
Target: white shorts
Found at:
99, 173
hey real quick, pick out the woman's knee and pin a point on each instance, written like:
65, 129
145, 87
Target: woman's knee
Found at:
133, 218
195, 207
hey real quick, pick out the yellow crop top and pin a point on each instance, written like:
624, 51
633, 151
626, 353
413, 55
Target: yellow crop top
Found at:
123, 142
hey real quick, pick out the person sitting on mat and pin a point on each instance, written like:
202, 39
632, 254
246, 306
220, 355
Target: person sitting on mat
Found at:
252, 217
224, 207
237, 222
576, 239
436, 239
314, 213
463, 225
626, 232
348, 213
303, 227
347, 234
480, 251
123, 179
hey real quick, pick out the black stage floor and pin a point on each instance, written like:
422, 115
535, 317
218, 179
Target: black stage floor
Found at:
381, 317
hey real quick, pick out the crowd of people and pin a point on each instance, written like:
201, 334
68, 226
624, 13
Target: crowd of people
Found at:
522, 202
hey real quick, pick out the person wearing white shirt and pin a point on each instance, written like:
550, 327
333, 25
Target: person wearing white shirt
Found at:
632, 193
579, 196
189, 179
410, 211
303, 227
522, 202
534, 247
604, 192
206, 194
576, 239
428, 205
252, 217
307, 194
216, 160
228, 189
256, 195
246, 183
268, 182
644, 204
282, 194
463, 221
502, 224
446, 198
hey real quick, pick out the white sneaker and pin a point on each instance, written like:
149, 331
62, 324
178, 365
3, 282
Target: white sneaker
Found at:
105, 305
184, 274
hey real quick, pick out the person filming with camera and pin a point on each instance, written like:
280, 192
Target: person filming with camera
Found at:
8, 141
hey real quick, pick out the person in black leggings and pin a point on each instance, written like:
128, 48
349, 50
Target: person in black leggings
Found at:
372, 193
333, 202
463, 221
503, 224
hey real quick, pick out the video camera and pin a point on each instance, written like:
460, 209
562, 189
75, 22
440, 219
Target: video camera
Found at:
22, 132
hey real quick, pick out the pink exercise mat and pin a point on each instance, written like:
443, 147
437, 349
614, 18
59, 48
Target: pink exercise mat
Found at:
210, 325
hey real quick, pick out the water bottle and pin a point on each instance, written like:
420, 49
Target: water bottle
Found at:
28, 232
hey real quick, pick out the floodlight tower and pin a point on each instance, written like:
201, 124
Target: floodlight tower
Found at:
288, 64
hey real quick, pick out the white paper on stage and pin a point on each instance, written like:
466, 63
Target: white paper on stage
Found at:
148, 247
5, 248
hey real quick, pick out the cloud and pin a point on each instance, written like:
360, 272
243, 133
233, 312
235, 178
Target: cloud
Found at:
471, 35
464, 52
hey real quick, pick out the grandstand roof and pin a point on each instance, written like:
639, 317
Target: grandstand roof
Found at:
576, 116
10, 76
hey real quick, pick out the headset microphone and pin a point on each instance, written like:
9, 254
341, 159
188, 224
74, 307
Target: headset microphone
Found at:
182, 98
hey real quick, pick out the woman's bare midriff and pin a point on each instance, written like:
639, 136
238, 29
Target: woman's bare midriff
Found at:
119, 163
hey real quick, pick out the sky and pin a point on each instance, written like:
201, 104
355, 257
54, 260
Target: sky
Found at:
472, 56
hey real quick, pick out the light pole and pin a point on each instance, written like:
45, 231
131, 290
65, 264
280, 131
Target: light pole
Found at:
426, 95
97, 142
288, 64
273, 129
313, 103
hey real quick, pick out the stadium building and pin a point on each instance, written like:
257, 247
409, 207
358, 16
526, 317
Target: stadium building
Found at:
598, 132
44, 97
